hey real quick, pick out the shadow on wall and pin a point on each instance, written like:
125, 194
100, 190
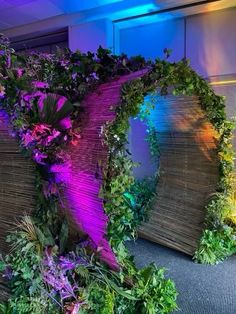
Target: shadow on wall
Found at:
210, 41
165, 117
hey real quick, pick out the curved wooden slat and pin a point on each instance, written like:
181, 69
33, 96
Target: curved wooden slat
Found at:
88, 158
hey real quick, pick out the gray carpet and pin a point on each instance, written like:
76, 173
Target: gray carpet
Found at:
203, 289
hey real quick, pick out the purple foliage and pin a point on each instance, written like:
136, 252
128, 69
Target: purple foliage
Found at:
38, 84
39, 157
8, 273
27, 139
58, 273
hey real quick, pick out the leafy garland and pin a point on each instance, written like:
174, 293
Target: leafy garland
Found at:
45, 273
219, 237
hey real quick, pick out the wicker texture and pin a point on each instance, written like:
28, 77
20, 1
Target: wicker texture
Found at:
89, 160
17, 188
188, 173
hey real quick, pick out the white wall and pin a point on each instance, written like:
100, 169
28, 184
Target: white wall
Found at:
88, 36
150, 40
209, 40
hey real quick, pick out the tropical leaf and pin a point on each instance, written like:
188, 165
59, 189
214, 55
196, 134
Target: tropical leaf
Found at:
54, 109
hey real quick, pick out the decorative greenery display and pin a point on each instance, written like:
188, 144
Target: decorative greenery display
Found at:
219, 238
42, 95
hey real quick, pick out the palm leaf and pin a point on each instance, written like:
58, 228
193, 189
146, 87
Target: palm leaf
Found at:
50, 113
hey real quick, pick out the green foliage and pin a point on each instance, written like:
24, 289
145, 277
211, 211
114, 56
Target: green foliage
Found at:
27, 286
29, 305
121, 225
25, 265
5, 308
216, 245
152, 139
101, 290
101, 299
118, 179
141, 195
158, 294
151, 292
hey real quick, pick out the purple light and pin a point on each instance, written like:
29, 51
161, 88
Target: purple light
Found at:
87, 209
62, 172
65, 123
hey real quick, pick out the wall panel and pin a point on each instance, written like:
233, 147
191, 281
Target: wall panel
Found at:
211, 42
151, 39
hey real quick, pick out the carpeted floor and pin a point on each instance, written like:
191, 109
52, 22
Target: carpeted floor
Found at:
203, 289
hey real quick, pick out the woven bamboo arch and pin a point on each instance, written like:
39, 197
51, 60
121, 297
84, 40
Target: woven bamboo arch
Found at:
188, 171
188, 166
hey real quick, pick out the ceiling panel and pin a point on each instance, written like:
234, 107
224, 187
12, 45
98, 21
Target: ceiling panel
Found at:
6, 4
13, 16
4, 25
40, 9
70, 6
15, 13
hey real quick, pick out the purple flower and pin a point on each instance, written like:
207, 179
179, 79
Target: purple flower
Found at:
65, 63
27, 139
74, 75
8, 61
94, 75
66, 264
38, 84
19, 72
39, 157
8, 273
50, 138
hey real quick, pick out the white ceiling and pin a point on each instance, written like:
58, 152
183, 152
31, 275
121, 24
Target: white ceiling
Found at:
16, 13
20, 12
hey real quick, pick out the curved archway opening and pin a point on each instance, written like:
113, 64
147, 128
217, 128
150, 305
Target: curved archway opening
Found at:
187, 167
